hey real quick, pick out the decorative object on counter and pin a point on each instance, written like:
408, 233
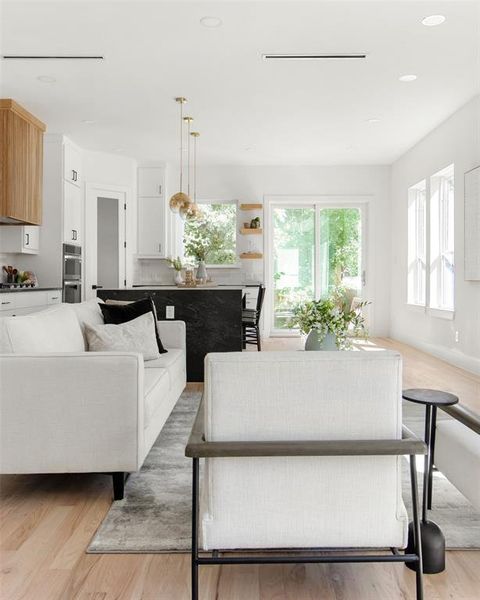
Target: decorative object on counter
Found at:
255, 223
201, 275
246, 225
16, 278
189, 278
330, 323
177, 264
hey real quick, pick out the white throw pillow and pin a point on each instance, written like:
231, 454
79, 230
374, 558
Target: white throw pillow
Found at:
53, 330
137, 335
88, 313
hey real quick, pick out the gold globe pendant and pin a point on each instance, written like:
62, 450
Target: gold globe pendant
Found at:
178, 200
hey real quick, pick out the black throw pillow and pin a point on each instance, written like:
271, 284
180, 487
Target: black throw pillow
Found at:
122, 313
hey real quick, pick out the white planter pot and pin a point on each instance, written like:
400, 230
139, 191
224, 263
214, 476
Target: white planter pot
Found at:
313, 341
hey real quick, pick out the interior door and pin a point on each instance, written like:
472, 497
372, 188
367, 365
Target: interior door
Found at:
105, 251
316, 249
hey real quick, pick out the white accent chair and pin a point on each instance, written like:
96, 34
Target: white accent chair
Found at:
66, 410
302, 450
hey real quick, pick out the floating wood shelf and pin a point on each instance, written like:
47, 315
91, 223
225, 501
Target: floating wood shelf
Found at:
251, 255
251, 206
251, 231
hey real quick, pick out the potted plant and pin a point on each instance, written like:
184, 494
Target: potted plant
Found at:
177, 264
329, 323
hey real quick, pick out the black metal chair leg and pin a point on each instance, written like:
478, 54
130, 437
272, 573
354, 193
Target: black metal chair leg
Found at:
195, 483
118, 485
259, 344
417, 536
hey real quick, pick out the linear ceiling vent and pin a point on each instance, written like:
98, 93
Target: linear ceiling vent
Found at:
312, 56
53, 57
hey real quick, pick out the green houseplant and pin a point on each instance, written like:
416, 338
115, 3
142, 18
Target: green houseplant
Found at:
177, 264
330, 323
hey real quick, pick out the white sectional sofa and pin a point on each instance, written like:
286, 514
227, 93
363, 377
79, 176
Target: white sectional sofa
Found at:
64, 409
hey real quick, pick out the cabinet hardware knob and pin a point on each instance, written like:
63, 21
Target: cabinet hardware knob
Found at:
160, 190
27, 239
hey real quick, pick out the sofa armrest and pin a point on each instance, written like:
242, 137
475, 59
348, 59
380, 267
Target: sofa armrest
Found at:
74, 412
172, 334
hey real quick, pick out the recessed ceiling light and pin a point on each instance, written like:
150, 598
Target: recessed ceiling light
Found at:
88, 121
433, 20
407, 78
119, 149
373, 120
46, 79
211, 22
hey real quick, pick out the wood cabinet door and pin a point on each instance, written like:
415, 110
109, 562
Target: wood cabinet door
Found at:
22, 169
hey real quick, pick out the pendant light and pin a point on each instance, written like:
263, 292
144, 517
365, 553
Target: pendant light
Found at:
197, 213
190, 210
180, 199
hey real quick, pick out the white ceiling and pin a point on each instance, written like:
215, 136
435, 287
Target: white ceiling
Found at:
248, 111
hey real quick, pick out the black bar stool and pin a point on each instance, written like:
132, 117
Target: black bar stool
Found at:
251, 321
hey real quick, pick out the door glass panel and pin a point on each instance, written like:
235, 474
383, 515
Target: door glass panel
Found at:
294, 261
340, 257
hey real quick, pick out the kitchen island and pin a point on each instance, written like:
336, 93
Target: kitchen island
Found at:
213, 317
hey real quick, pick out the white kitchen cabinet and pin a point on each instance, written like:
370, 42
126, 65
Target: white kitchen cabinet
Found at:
20, 239
72, 164
151, 218
14, 304
151, 237
72, 215
151, 181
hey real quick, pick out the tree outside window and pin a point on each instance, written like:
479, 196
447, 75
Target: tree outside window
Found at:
213, 236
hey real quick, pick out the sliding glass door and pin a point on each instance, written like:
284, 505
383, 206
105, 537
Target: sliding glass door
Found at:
315, 249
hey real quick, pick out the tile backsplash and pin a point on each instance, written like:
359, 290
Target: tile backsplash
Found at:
159, 272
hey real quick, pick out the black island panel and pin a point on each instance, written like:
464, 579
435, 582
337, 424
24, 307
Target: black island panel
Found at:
213, 319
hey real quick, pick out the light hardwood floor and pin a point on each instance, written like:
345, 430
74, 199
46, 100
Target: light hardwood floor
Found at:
47, 522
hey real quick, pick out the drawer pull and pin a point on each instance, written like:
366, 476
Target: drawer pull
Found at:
54, 298
8, 302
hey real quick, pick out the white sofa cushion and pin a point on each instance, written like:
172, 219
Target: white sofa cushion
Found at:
137, 335
457, 456
174, 362
156, 389
303, 501
54, 330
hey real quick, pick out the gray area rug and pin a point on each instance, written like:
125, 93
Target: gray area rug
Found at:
155, 515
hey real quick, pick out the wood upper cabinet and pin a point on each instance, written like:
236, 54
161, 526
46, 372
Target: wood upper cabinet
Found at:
21, 165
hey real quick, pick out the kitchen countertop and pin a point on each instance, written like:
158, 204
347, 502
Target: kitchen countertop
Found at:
30, 289
175, 287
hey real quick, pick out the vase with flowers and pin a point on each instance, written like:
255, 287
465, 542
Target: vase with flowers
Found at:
177, 264
330, 323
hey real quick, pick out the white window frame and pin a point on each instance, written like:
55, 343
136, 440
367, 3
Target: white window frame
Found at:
237, 264
417, 244
442, 242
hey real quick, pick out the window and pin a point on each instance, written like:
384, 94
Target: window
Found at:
442, 271
213, 235
417, 244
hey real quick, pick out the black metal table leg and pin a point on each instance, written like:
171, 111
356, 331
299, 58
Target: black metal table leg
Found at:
432, 456
426, 476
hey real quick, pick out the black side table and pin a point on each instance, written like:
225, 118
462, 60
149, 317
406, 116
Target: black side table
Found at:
433, 541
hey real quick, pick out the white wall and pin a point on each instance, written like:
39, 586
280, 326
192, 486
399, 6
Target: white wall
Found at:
250, 184
457, 141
